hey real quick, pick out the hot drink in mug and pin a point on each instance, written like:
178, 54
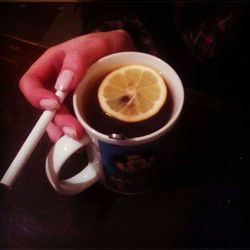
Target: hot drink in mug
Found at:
126, 157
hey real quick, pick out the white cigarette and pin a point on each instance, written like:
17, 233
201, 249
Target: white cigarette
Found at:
29, 144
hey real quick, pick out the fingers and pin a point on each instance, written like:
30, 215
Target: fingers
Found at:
70, 61
37, 83
81, 52
68, 124
54, 132
67, 63
65, 123
62, 67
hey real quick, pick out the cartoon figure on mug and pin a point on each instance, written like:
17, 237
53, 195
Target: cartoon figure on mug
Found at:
135, 163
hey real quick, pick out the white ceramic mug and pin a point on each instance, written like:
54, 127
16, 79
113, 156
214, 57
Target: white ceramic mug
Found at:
103, 151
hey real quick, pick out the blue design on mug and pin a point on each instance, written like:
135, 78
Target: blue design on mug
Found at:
131, 169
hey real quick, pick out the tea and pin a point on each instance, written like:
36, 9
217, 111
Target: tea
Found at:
101, 122
128, 166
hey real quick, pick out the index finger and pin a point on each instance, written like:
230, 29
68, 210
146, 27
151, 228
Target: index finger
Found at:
36, 84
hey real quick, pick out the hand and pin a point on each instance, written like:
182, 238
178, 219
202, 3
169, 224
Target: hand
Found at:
68, 62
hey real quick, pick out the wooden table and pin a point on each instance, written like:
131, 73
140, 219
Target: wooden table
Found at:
202, 202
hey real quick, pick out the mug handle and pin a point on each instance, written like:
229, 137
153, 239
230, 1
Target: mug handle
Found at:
56, 158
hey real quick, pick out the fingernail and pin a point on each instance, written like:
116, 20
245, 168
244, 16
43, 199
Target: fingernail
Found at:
64, 80
49, 104
69, 132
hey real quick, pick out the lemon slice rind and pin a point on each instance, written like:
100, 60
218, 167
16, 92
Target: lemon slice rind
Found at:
135, 104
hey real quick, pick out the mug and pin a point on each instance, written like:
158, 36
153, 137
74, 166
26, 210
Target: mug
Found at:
124, 165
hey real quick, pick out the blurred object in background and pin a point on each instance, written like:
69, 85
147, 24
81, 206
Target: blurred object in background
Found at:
111, 16
210, 29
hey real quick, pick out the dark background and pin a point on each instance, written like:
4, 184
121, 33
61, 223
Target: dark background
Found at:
203, 202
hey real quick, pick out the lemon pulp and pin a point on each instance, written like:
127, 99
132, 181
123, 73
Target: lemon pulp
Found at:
132, 93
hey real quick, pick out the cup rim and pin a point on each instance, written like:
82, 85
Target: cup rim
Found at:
136, 140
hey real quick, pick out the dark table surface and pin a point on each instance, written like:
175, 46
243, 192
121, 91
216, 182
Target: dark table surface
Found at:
203, 202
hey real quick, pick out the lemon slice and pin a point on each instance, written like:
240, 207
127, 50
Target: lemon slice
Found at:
132, 93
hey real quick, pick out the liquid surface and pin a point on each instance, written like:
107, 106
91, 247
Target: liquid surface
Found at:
100, 121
